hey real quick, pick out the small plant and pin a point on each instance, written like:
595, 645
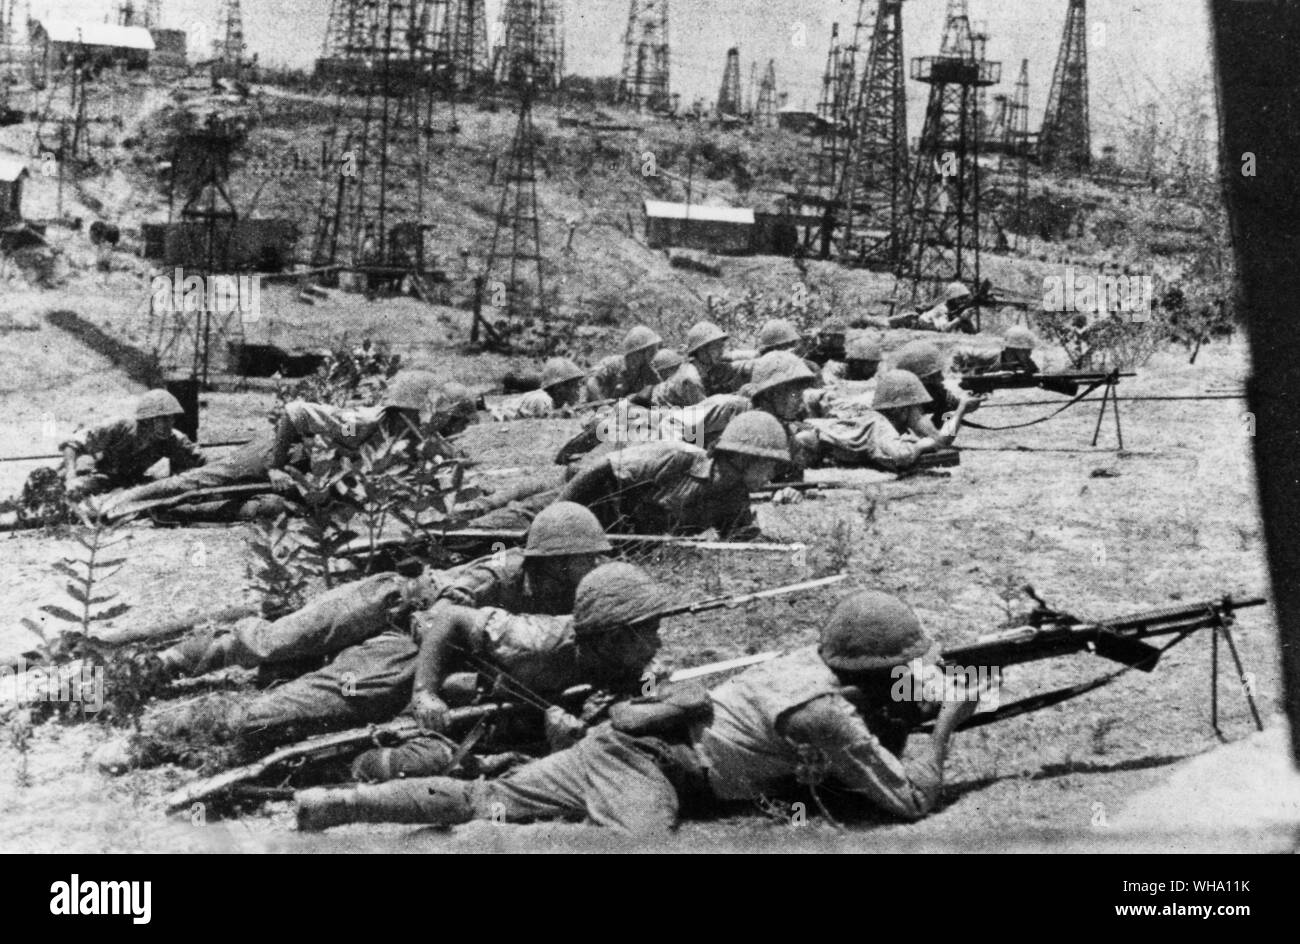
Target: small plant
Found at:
279, 572
96, 536
20, 738
348, 375
326, 516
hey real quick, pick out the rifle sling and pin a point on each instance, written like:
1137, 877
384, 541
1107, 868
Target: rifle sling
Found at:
1057, 696
1041, 419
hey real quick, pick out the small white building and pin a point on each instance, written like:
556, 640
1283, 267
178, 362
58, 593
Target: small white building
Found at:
12, 172
695, 226
56, 44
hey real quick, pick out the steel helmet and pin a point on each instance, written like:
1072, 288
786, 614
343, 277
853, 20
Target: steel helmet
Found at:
921, 358
454, 399
777, 368
157, 403
954, 291
870, 631
640, 338
559, 370
776, 334
666, 361
899, 388
615, 595
706, 332
756, 434
563, 528
410, 390
1020, 338
863, 348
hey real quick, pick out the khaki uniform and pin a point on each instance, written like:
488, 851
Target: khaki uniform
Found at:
357, 611
115, 455
365, 683
869, 439
661, 488
767, 723
610, 379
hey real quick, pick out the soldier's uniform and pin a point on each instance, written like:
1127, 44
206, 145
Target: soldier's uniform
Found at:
115, 455
622, 375
339, 427
660, 488
772, 727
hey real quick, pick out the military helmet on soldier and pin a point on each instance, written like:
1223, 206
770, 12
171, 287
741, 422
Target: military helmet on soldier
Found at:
776, 334
565, 528
897, 389
560, 370
615, 595
640, 338
921, 358
156, 403
702, 334
870, 631
755, 434
777, 368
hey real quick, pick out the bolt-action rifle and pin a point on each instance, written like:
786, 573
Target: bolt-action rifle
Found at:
1066, 382
1049, 633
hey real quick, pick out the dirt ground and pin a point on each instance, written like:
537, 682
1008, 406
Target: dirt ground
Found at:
1096, 531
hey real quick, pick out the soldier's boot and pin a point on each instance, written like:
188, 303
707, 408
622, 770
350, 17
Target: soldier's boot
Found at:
430, 801
198, 654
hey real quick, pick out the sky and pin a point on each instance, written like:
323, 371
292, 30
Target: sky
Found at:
1139, 50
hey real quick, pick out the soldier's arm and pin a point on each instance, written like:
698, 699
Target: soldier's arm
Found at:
591, 486
831, 727
185, 453
442, 630
478, 583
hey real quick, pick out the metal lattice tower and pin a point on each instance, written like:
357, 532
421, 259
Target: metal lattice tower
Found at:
532, 51
229, 48
876, 175
765, 109
516, 237
466, 49
831, 108
376, 151
645, 55
729, 103
1066, 141
944, 227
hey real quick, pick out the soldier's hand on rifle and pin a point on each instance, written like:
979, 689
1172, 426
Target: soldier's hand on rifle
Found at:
562, 729
430, 711
970, 402
787, 496
280, 479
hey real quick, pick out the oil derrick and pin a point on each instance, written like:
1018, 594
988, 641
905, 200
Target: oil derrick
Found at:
466, 42
944, 226
875, 180
1016, 145
644, 82
516, 236
200, 171
533, 46
729, 103
376, 151
229, 48
1065, 142
765, 109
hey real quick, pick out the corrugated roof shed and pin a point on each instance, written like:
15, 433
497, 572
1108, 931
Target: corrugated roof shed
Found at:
658, 209
97, 34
